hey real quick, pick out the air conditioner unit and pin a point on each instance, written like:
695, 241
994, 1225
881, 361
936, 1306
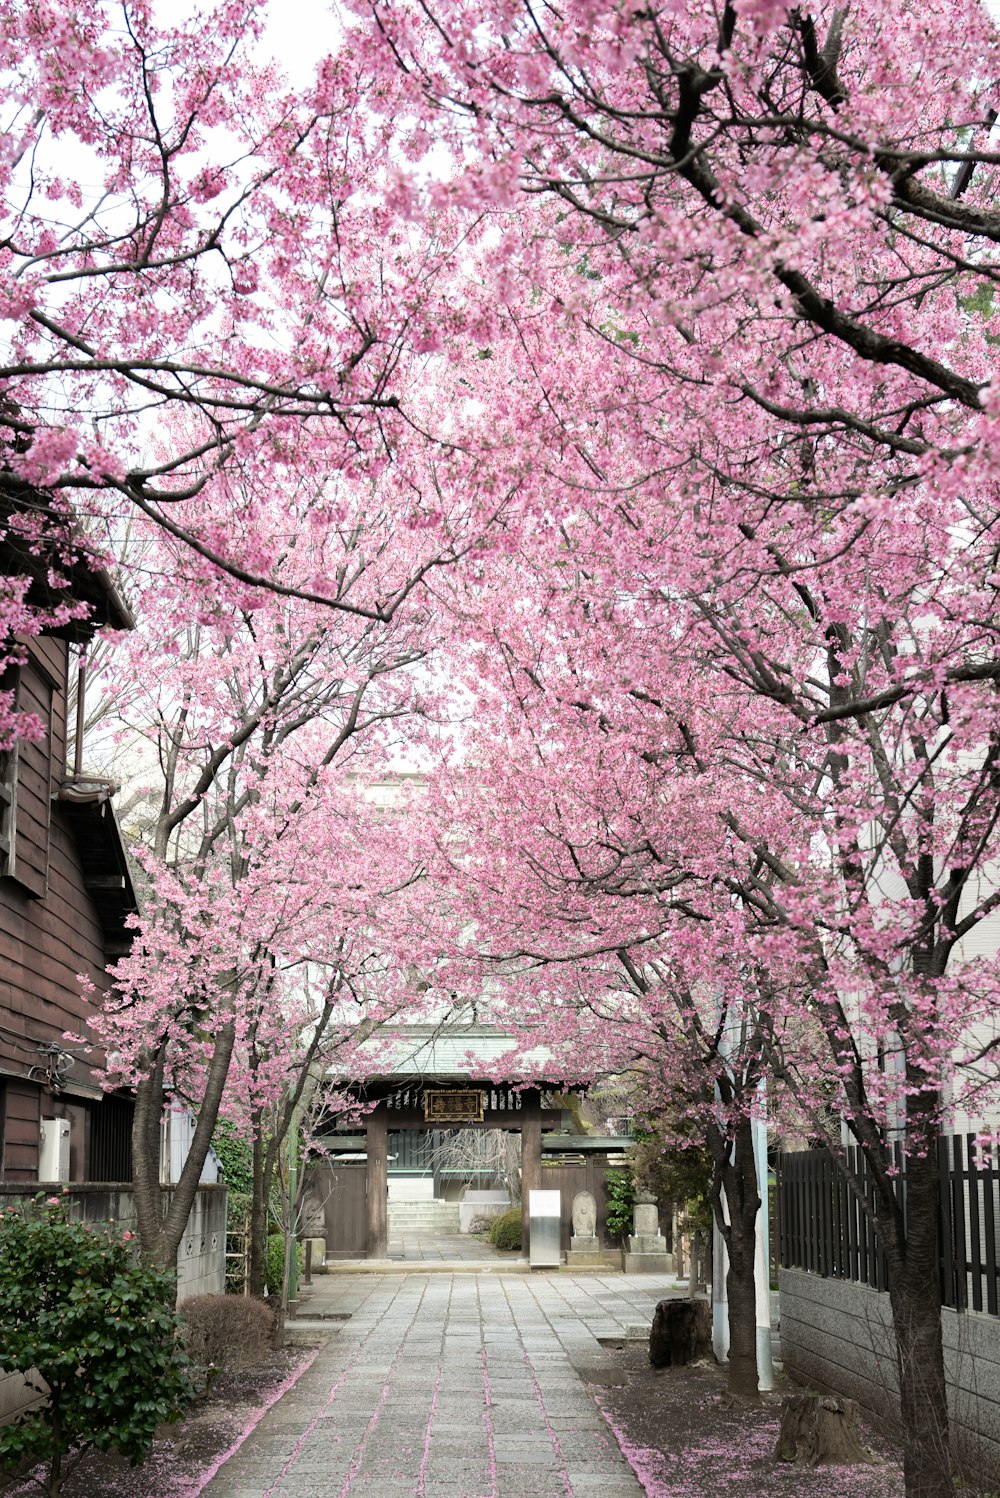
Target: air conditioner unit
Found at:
53, 1150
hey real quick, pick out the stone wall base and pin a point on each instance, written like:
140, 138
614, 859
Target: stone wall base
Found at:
837, 1337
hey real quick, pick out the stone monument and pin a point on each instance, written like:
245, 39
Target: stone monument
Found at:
645, 1249
584, 1245
313, 1226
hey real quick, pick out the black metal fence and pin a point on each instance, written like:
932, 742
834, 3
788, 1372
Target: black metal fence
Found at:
823, 1225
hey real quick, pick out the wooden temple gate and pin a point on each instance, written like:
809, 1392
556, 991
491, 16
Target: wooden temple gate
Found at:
408, 1105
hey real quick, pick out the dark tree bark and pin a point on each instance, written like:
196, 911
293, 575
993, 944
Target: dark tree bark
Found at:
820, 1430
915, 1300
260, 1189
681, 1333
149, 1100
736, 1176
160, 1232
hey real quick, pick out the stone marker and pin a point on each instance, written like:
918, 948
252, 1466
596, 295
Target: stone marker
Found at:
646, 1248
584, 1215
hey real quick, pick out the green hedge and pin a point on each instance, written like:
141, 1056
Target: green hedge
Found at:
274, 1267
506, 1230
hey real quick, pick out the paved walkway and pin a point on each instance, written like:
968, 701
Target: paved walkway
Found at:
451, 1386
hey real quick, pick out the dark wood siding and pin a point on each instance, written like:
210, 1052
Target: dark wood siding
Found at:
45, 943
33, 785
49, 928
21, 1115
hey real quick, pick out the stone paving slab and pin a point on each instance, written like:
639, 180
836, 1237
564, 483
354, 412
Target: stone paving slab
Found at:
450, 1386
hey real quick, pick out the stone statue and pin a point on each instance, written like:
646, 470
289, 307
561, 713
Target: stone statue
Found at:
584, 1215
313, 1219
584, 1246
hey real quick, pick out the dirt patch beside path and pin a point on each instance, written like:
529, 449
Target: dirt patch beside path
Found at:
686, 1439
187, 1455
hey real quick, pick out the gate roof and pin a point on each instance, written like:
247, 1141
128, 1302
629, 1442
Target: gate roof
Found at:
461, 1052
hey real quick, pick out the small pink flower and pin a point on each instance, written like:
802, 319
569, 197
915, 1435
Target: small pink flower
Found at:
52, 1201
127, 1237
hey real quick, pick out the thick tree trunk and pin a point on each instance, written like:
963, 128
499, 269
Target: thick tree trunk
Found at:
146, 1157
681, 1333
737, 1177
160, 1234
741, 1290
915, 1299
821, 1429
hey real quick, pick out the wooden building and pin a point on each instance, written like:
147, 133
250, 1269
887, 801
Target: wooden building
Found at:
65, 895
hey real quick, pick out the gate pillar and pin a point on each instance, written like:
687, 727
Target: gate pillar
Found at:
377, 1181
531, 1158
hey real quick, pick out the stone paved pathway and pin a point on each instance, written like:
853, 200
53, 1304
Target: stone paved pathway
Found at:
450, 1386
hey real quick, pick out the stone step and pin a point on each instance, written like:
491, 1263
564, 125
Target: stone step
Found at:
401, 1214
442, 1217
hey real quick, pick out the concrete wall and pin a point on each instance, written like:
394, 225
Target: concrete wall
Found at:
837, 1336
411, 1188
478, 1205
201, 1257
201, 1261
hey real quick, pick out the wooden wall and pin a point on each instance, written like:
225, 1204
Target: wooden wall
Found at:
49, 928
342, 1191
21, 1117
588, 1175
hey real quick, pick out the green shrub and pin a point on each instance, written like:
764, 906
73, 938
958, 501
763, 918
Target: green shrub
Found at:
100, 1330
506, 1230
235, 1154
274, 1267
620, 1189
227, 1331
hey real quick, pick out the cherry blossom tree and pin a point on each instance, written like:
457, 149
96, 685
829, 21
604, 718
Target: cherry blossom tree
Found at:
688, 357
205, 272
758, 362
247, 734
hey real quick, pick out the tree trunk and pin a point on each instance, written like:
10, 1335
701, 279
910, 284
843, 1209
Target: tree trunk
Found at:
737, 1177
681, 1333
160, 1235
258, 1211
915, 1299
146, 1123
741, 1290
821, 1429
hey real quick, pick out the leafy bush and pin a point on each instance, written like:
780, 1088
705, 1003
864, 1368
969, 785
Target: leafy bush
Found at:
620, 1188
227, 1331
274, 1267
100, 1330
506, 1230
677, 1172
235, 1154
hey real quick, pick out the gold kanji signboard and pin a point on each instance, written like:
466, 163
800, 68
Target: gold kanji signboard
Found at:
453, 1107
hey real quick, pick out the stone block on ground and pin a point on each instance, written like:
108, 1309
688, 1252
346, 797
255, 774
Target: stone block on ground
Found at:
583, 1258
644, 1263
